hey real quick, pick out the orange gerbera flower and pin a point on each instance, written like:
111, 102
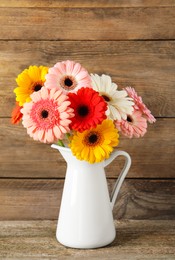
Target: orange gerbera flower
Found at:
16, 115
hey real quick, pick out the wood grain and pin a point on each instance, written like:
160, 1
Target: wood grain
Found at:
87, 23
147, 66
152, 156
135, 240
27, 199
133, 42
86, 3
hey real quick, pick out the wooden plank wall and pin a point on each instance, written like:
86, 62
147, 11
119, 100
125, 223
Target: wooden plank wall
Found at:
134, 42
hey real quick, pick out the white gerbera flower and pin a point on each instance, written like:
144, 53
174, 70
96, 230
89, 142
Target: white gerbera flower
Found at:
119, 104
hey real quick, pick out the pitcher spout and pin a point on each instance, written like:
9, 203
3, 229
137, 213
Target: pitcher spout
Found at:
63, 150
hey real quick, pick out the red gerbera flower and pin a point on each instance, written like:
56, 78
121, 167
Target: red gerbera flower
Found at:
16, 115
89, 109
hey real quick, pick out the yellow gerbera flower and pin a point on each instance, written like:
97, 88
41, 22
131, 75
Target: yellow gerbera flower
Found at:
29, 80
96, 144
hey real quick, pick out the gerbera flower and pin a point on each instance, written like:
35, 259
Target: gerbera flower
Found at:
16, 115
47, 116
119, 105
30, 80
89, 109
96, 144
134, 125
139, 105
67, 75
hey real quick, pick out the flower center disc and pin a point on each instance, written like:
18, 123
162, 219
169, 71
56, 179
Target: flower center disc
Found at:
93, 138
37, 87
129, 119
44, 114
106, 98
68, 83
83, 111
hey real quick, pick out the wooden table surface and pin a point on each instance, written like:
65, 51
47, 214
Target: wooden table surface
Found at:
135, 239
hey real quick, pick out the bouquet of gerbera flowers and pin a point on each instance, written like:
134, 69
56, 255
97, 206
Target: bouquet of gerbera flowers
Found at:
65, 102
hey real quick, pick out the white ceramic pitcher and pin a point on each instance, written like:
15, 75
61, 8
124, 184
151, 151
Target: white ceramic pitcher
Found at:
85, 218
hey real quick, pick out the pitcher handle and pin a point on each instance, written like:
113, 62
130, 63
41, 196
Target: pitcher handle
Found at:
122, 175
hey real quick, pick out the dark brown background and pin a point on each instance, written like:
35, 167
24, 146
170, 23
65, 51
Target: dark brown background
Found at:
133, 41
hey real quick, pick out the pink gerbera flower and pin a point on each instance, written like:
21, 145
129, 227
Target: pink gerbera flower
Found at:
139, 105
47, 115
67, 75
135, 125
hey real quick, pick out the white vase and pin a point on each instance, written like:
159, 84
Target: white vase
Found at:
85, 218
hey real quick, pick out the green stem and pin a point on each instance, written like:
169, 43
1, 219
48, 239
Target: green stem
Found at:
67, 135
60, 142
